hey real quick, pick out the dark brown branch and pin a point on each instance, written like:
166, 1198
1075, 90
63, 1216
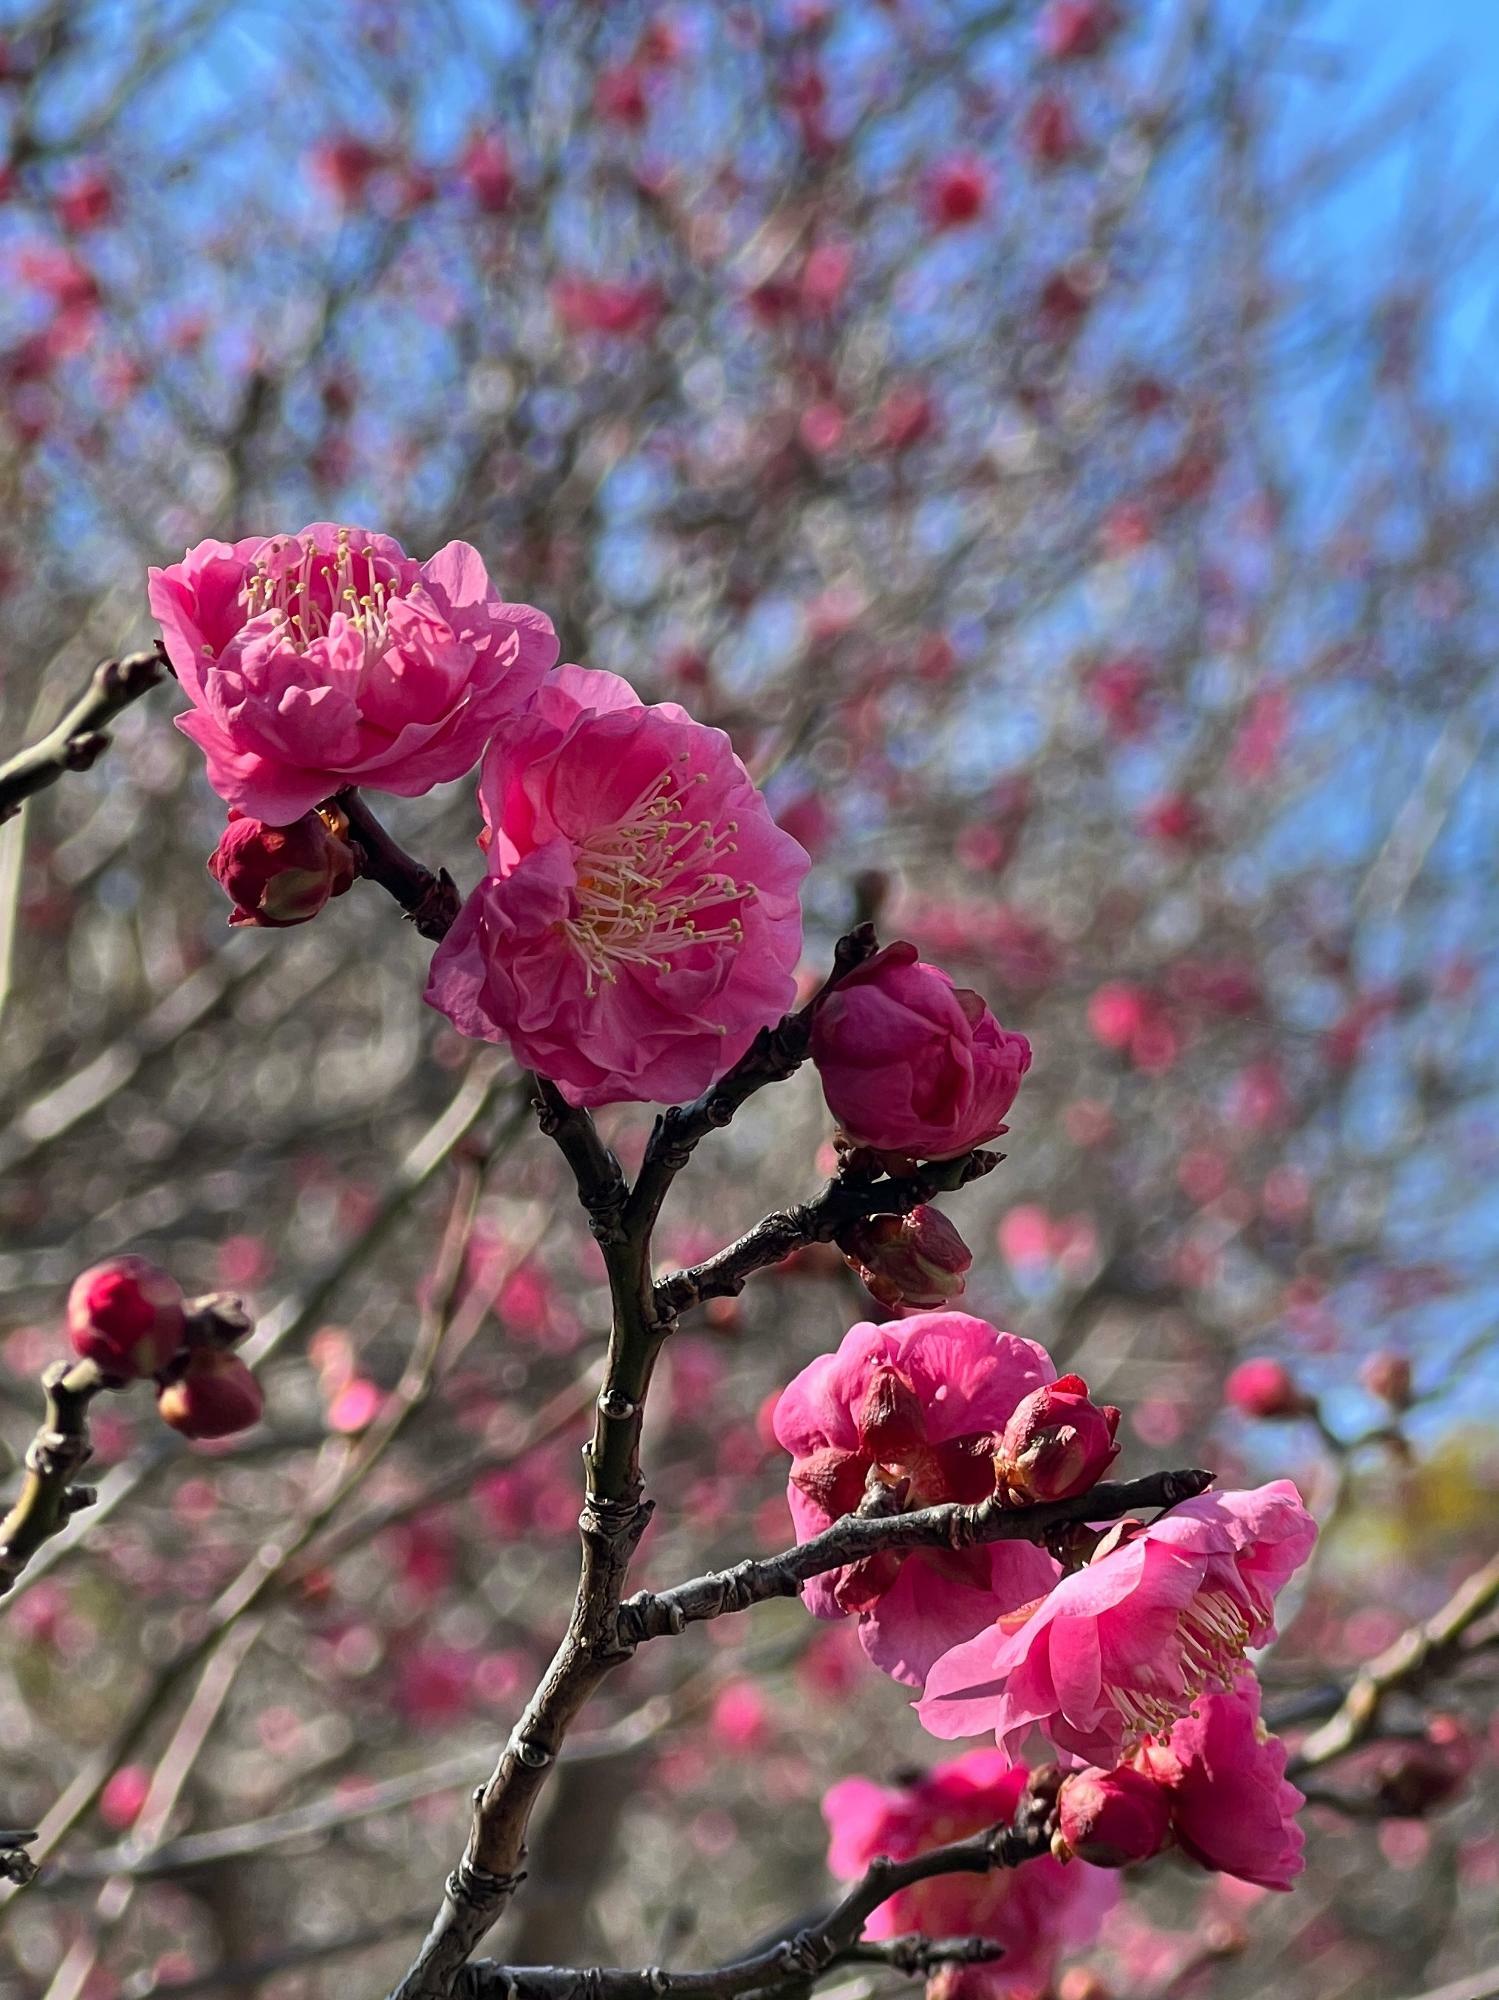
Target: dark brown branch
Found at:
48, 1498
431, 901
602, 1187
81, 737
656, 1614
775, 1054
842, 1201
793, 1963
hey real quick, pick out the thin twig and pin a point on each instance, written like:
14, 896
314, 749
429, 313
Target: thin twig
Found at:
80, 738
48, 1498
844, 1200
1420, 1653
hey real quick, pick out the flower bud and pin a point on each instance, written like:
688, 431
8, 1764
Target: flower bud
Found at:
1266, 1389
1415, 1778
1112, 1818
1388, 1376
277, 876
126, 1316
215, 1396
907, 1260
1057, 1442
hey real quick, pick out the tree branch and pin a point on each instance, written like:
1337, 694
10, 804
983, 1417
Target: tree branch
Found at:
844, 1200
431, 901
657, 1614
1420, 1653
774, 1054
793, 1963
80, 738
48, 1497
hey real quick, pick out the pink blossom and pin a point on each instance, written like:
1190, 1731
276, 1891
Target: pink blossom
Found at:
1036, 1912
912, 1064
486, 171
332, 658
957, 191
1123, 1646
639, 924
590, 305
917, 1406
1232, 1808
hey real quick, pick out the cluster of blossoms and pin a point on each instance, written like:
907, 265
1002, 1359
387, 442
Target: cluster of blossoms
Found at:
131, 1320
638, 924
1123, 1650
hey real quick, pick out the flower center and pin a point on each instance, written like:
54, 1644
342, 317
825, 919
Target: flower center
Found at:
1212, 1634
645, 880
307, 594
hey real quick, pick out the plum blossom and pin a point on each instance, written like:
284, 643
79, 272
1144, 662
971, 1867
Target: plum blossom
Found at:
332, 658
1232, 1808
640, 922
1036, 1912
1122, 1647
916, 1406
912, 1064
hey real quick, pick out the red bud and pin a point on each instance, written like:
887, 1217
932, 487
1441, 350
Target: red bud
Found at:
1266, 1389
1057, 1443
1112, 1818
277, 876
913, 1260
215, 1396
126, 1316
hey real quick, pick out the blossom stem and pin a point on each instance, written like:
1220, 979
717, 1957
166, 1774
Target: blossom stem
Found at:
80, 738
431, 901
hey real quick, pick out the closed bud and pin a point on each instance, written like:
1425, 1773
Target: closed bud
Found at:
1112, 1818
126, 1316
1057, 1443
214, 1396
1417, 1777
1388, 1376
277, 876
1266, 1389
891, 1419
907, 1260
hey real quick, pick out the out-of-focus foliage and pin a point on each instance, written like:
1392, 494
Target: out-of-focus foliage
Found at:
1094, 561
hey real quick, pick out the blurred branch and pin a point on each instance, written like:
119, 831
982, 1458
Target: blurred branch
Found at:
48, 1497
655, 1614
80, 739
1418, 1655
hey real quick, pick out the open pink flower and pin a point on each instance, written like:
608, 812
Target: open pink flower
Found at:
332, 658
1121, 1648
639, 923
916, 1405
911, 1063
1036, 1912
1232, 1807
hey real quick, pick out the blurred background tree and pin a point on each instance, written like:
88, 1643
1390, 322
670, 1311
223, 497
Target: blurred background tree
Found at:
1055, 442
